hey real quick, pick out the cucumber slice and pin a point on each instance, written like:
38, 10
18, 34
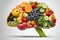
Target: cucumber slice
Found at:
14, 19
9, 23
44, 5
46, 17
14, 23
45, 24
39, 5
42, 10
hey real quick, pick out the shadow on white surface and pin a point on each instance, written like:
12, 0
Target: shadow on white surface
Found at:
31, 36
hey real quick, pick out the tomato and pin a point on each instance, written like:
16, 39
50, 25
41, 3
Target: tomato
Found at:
54, 20
49, 13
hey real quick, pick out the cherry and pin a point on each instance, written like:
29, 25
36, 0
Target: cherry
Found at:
34, 5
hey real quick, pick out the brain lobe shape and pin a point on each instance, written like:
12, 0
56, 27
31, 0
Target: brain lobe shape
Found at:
31, 15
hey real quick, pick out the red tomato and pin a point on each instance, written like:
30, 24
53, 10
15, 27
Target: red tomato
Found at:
54, 20
49, 13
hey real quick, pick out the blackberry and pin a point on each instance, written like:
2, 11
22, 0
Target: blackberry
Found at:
10, 17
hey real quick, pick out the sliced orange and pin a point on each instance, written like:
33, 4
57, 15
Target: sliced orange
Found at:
28, 8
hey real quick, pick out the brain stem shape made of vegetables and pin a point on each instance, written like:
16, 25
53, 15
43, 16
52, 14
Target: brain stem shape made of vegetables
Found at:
32, 15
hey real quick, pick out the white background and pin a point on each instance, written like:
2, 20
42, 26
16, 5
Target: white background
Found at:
8, 33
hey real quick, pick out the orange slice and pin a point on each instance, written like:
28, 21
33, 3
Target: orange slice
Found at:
28, 8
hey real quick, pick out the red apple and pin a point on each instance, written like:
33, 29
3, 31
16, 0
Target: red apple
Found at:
22, 26
34, 5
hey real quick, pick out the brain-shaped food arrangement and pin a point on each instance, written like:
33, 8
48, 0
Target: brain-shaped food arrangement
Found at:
32, 15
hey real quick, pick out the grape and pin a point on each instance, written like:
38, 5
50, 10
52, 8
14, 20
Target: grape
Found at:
34, 15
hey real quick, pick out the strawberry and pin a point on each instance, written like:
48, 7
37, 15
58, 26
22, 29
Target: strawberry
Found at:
34, 5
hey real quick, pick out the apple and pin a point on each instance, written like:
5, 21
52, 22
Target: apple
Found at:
22, 26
